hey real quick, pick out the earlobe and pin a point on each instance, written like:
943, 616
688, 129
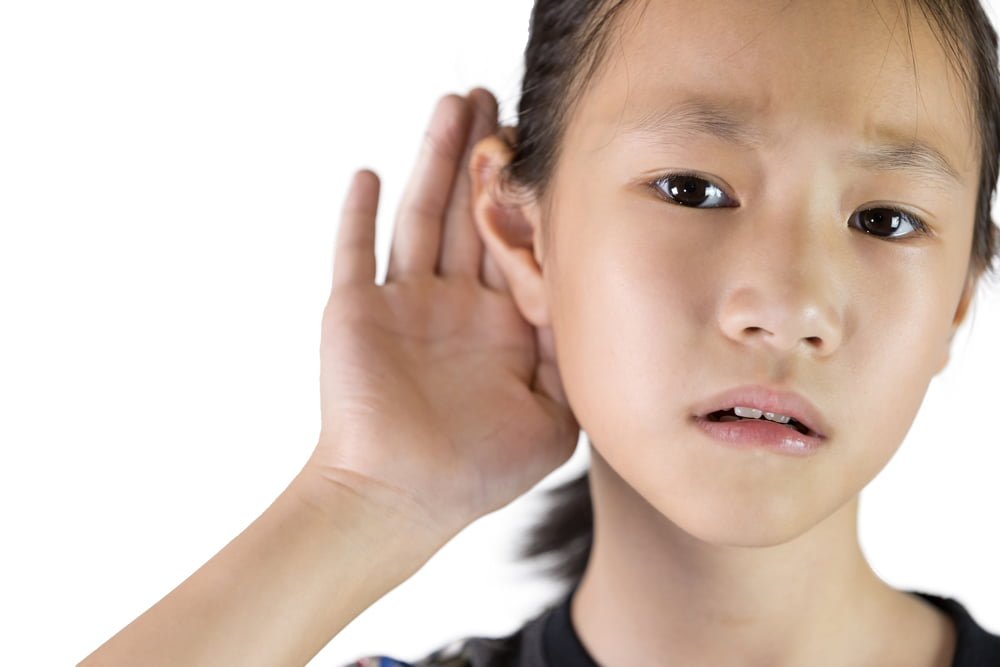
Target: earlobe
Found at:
508, 227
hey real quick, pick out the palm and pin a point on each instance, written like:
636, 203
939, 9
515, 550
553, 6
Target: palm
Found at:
433, 385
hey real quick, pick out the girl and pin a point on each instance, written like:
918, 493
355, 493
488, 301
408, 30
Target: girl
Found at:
689, 248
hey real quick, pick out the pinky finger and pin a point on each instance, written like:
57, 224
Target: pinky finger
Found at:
354, 254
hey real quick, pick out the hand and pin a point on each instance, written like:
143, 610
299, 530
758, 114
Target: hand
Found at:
439, 400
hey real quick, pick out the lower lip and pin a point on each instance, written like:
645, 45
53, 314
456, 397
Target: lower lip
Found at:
747, 433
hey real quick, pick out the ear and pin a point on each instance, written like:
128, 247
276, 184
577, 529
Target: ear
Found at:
510, 227
968, 292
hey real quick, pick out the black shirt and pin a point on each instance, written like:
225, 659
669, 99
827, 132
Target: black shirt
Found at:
549, 640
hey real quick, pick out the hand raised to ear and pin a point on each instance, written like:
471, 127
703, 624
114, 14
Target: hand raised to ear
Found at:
440, 402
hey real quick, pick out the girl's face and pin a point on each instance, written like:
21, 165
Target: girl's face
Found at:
768, 275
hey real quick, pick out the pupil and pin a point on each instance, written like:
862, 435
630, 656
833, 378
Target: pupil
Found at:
687, 190
879, 218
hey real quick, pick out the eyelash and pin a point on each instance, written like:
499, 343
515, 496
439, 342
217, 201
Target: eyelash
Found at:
920, 227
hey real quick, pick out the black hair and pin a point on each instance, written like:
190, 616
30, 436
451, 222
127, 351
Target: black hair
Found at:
567, 43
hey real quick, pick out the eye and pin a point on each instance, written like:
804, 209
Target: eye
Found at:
686, 189
884, 221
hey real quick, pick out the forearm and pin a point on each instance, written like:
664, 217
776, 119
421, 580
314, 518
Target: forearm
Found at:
279, 591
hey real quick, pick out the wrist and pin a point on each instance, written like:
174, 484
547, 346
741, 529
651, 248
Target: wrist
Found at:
349, 501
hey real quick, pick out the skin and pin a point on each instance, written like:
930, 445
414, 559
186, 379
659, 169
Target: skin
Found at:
654, 307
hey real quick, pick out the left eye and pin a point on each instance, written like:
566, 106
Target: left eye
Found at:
689, 190
885, 219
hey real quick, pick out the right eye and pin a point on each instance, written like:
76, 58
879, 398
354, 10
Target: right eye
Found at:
685, 189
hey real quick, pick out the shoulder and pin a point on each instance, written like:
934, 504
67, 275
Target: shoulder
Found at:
467, 652
975, 646
522, 648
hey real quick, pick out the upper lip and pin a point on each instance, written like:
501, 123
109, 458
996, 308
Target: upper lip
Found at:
763, 398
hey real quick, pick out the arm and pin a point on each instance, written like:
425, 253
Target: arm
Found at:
440, 404
279, 591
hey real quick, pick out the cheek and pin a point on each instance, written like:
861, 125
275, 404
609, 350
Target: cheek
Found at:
623, 319
896, 345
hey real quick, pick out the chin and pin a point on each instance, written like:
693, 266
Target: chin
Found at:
721, 501
735, 532
731, 519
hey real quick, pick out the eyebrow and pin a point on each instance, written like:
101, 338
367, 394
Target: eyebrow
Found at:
730, 122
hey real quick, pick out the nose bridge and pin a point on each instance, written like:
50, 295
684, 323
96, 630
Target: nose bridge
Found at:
781, 286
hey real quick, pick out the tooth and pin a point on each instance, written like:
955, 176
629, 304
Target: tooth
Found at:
775, 417
751, 413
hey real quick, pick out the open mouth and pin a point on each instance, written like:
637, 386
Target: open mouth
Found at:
731, 416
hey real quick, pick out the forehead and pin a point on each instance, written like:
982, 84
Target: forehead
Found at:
848, 70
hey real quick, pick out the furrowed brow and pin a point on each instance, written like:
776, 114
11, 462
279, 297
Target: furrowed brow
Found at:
912, 156
731, 122
694, 116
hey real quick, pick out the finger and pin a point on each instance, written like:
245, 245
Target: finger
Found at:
548, 382
461, 247
490, 273
547, 379
509, 134
354, 252
417, 236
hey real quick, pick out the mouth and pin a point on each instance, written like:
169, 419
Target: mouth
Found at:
730, 415
765, 404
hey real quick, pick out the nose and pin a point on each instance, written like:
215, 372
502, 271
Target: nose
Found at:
781, 290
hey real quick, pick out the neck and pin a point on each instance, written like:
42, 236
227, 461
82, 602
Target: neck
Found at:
652, 589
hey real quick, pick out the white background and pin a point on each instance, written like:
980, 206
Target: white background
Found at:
171, 176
